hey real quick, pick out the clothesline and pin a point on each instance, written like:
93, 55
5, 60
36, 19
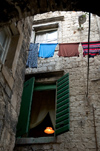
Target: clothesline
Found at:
46, 50
71, 49
94, 48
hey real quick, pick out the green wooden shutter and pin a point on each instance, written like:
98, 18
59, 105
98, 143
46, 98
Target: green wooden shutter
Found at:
24, 116
62, 106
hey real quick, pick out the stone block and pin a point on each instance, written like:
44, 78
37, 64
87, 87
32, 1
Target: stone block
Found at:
43, 69
2, 80
14, 101
8, 91
47, 147
5, 138
2, 108
50, 69
14, 120
40, 65
8, 77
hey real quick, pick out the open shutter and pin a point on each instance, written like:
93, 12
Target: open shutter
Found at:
24, 116
62, 106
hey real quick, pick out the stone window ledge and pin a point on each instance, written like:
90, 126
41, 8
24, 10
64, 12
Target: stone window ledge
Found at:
45, 27
52, 19
39, 140
8, 77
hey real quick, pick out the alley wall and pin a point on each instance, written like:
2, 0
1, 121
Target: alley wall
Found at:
81, 136
11, 85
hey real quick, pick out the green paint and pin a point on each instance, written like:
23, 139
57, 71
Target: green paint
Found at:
44, 87
24, 116
62, 107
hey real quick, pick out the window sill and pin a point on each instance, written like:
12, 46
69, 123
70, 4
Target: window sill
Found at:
39, 140
8, 77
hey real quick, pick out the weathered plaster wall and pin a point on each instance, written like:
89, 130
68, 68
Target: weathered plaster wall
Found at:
81, 135
11, 86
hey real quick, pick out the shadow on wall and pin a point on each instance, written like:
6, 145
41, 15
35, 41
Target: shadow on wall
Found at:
22, 9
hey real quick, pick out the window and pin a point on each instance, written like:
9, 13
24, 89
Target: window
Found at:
45, 33
61, 122
42, 111
5, 38
46, 37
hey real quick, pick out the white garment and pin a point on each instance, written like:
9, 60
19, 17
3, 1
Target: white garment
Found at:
42, 105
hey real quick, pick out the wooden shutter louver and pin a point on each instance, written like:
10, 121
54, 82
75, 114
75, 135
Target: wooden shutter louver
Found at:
24, 116
62, 106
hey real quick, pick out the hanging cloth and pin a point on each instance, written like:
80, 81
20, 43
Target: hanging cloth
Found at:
68, 49
94, 48
47, 50
32, 56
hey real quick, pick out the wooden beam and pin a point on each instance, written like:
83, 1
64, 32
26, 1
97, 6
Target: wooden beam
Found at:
53, 19
46, 27
53, 74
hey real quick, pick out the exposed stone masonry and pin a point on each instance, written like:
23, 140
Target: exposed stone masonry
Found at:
10, 97
67, 33
81, 135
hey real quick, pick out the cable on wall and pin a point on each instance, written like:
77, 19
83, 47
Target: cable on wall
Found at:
88, 54
95, 133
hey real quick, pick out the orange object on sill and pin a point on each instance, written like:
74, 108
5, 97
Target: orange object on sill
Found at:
49, 130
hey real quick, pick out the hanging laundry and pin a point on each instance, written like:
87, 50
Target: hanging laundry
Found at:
94, 48
32, 56
47, 50
68, 49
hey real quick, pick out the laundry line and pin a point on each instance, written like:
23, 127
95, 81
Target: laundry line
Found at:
46, 50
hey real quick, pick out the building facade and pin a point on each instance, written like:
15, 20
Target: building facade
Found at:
84, 111
13, 46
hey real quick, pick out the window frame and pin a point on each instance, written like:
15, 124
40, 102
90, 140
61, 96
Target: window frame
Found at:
9, 63
41, 140
44, 87
6, 45
43, 28
46, 32
32, 139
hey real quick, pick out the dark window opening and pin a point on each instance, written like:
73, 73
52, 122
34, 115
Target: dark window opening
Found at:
38, 131
42, 113
38, 107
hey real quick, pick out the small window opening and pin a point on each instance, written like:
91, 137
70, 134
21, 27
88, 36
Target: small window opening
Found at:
46, 37
42, 113
38, 131
5, 38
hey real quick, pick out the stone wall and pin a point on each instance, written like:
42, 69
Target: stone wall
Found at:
82, 120
67, 33
11, 86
